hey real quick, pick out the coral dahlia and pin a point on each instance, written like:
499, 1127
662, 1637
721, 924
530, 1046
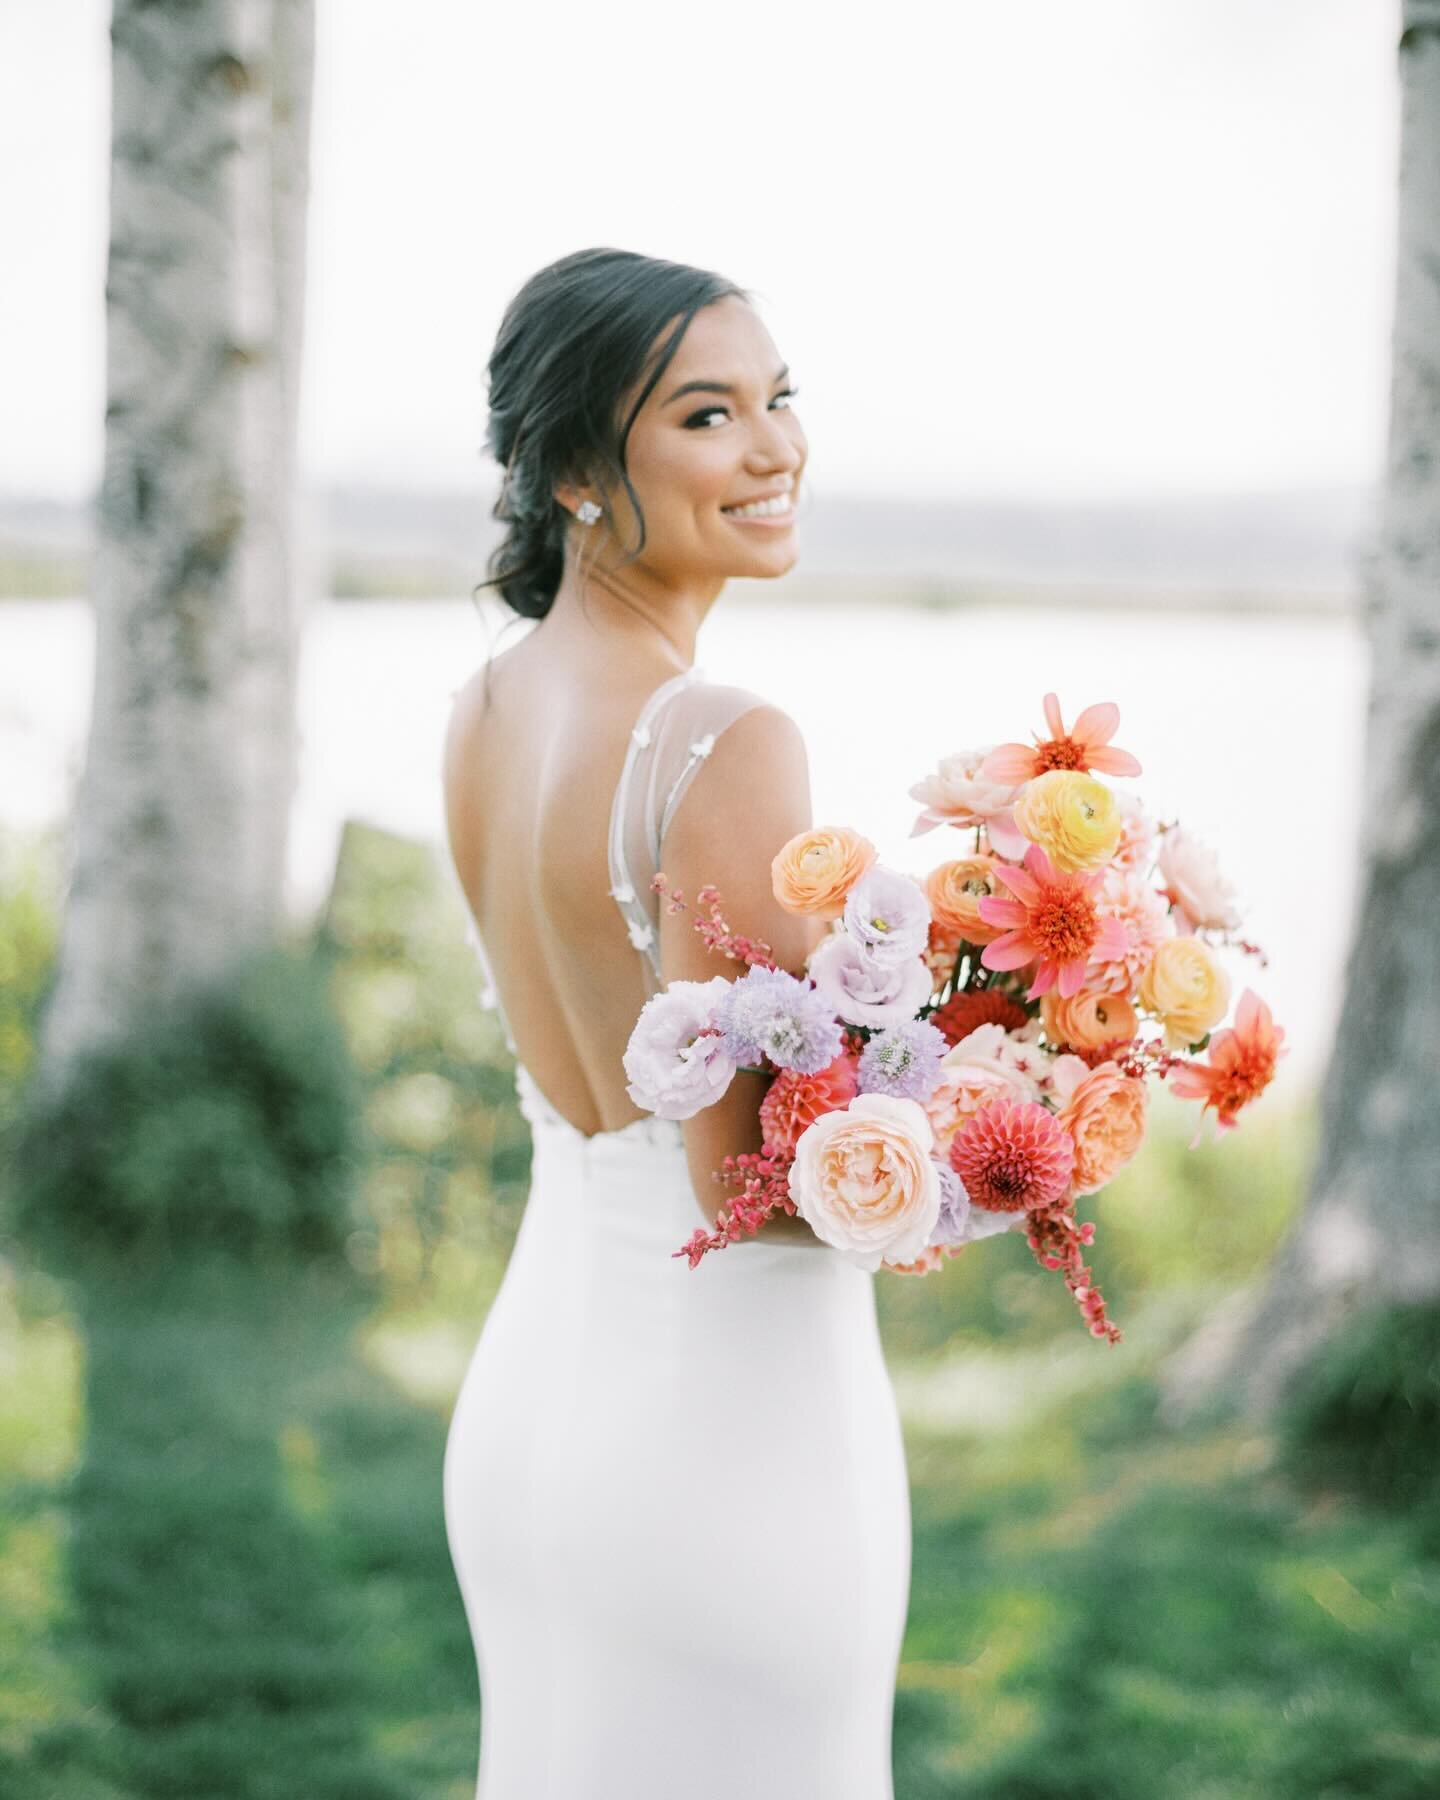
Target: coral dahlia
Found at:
1013, 1156
794, 1101
1087, 746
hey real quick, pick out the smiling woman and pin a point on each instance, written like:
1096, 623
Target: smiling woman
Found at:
589, 1498
577, 426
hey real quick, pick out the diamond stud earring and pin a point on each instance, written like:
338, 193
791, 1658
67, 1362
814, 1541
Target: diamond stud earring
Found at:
587, 512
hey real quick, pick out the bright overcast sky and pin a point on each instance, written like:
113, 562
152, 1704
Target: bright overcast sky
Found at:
1118, 247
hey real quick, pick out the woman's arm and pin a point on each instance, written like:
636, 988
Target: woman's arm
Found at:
751, 796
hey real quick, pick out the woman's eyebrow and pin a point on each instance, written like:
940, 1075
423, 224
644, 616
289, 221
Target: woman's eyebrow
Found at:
720, 387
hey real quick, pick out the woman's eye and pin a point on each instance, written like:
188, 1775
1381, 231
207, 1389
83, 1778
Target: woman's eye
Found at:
696, 419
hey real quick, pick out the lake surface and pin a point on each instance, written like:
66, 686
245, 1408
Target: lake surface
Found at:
1250, 730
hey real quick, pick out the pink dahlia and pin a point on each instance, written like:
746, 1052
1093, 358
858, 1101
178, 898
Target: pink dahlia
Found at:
1053, 920
1013, 1156
1087, 746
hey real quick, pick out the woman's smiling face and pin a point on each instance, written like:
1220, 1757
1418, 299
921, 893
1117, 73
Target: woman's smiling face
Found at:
716, 431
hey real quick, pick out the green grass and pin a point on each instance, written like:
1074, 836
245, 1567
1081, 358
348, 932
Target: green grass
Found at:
249, 1592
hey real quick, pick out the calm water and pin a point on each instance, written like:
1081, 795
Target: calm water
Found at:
1250, 731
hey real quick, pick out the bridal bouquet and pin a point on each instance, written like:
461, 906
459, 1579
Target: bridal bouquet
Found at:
970, 1051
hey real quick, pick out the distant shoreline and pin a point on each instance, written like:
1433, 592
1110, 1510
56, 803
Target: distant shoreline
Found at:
34, 583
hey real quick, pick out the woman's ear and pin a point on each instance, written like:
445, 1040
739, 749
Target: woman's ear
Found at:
575, 489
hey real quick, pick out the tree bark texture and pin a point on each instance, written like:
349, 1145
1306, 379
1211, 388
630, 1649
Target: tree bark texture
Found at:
180, 827
1369, 1230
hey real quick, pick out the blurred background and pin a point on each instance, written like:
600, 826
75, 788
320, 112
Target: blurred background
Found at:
1089, 310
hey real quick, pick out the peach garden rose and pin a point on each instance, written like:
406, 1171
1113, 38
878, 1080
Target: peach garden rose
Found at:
816, 870
864, 1181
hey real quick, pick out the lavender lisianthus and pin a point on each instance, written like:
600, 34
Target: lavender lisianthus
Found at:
888, 913
769, 1012
903, 1061
864, 989
960, 1221
674, 1071
954, 1206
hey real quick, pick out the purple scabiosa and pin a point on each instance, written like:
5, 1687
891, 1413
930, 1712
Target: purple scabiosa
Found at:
903, 1061
769, 1012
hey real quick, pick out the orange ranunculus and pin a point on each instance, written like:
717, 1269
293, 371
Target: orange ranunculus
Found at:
954, 889
817, 868
1087, 1020
1105, 1115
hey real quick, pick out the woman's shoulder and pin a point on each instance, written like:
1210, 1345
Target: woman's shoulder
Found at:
722, 702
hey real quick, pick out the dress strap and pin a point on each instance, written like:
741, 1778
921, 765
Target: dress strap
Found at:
676, 730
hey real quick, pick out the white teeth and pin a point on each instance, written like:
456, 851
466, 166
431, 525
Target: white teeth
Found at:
759, 508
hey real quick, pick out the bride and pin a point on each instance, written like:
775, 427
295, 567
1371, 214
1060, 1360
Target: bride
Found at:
676, 1499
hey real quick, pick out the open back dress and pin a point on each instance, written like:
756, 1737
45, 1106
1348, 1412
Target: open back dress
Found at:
676, 1499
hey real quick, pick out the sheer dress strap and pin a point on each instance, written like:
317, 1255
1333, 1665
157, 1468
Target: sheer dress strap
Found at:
676, 730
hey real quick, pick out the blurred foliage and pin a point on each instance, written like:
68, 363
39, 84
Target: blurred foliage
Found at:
449, 1164
1159, 1614
244, 1590
225, 1117
29, 934
1365, 1415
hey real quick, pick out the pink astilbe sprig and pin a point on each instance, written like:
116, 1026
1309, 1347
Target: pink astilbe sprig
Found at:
714, 929
1137, 1056
1248, 949
1056, 1237
764, 1191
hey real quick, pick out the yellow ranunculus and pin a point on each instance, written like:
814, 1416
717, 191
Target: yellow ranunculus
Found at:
1187, 988
1074, 818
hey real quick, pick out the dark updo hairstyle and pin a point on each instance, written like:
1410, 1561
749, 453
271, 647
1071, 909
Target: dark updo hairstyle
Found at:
572, 343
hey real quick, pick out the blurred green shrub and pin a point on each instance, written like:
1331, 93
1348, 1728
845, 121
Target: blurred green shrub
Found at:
449, 1164
29, 933
231, 1118
1365, 1416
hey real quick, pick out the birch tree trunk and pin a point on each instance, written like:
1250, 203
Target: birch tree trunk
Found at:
1370, 1226
182, 813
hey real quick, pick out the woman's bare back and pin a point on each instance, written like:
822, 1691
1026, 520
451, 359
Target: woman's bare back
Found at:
530, 781
530, 775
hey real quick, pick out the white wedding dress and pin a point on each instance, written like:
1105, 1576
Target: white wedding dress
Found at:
676, 1500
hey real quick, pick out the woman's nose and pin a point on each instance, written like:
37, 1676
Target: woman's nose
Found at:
777, 448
